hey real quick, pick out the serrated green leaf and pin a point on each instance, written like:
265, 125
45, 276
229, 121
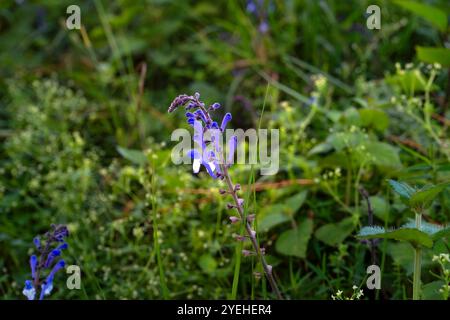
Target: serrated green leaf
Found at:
335, 233
424, 197
294, 242
434, 55
413, 236
428, 228
135, 156
403, 189
433, 15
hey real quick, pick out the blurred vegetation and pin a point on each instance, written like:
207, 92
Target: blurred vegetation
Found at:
85, 141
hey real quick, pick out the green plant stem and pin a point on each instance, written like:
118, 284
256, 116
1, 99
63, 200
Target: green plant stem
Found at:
417, 263
267, 270
162, 278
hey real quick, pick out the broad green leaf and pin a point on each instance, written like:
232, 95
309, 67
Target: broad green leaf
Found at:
207, 263
380, 207
294, 242
403, 189
374, 118
424, 197
434, 55
135, 156
430, 291
281, 212
433, 15
342, 140
295, 202
384, 155
273, 218
413, 236
335, 233
402, 253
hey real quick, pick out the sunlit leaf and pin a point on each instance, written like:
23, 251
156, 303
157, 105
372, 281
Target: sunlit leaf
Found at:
434, 55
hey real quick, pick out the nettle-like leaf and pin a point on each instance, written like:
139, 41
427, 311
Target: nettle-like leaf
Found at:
426, 236
403, 189
424, 197
435, 231
411, 235
417, 198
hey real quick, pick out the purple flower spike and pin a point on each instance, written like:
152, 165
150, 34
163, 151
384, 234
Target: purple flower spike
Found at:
247, 253
200, 114
37, 243
53, 254
214, 125
210, 169
46, 262
232, 144
196, 157
33, 264
251, 7
63, 246
215, 106
29, 291
263, 27
61, 264
234, 219
190, 115
226, 119
179, 101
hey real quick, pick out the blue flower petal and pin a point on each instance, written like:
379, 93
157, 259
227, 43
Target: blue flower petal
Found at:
29, 290
225, 120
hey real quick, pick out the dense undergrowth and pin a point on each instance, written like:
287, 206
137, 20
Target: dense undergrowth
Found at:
85, 141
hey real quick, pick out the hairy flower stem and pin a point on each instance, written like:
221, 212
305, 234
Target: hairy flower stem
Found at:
417, 263
251, 235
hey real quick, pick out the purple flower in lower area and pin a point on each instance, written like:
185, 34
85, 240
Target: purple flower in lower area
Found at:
29, 290
50, 249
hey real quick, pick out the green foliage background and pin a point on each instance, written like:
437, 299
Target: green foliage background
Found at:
85, 141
